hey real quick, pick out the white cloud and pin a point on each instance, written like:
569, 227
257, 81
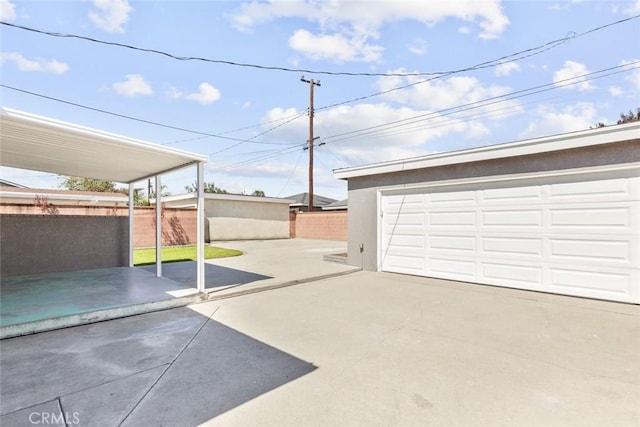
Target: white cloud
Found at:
7, 11
634, 76
616, 91
506, 68
572, 118
111, 15
567, 76
206, 94
336, 47
133, 85
634, 8
442, 93
418, 47
53, 66
404, 138
354, 23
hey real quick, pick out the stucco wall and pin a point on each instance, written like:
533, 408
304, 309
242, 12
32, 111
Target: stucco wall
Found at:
246, 220
32, 244
363, 190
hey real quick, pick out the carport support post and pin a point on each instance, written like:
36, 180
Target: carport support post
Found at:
131, 211
158, 227
200, 228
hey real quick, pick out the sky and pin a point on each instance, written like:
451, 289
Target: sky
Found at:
398, 78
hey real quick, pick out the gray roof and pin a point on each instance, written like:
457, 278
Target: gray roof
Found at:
340, 204
302, 199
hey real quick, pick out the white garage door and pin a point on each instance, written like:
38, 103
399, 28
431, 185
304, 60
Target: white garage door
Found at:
575, 236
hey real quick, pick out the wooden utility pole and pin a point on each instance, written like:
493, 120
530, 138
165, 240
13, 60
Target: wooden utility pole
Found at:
312, 83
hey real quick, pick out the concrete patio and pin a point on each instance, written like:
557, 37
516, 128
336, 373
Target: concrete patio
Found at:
33, 303
360, 349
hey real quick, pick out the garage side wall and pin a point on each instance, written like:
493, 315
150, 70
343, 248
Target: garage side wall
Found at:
32, 244
363, 212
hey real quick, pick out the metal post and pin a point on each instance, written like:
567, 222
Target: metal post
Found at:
158, 227
200, 278
131, 211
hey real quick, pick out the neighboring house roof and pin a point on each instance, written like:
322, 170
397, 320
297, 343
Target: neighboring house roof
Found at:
335, 206
28, 195
302, 199
566, 141
5, 183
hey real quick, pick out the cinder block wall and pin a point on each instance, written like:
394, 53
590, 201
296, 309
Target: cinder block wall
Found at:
178, 225
31, 244
329, 225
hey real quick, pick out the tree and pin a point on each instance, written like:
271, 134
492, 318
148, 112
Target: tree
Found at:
258, 193
208, 187
630, 117
77, 183
624, 118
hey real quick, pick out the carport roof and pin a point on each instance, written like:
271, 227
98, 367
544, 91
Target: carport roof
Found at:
43, 144
566, 141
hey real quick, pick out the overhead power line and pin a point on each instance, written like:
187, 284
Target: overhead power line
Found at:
137, 119
325, 72
523, 54
422, 118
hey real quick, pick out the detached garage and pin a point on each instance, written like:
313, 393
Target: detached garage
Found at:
559, 214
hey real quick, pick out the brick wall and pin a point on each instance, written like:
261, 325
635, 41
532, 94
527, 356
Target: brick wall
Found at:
328, 225
178, 225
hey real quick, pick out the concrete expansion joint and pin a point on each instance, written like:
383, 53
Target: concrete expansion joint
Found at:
218, 296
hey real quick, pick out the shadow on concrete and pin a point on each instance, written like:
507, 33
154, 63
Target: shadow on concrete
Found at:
165, 368
215, 275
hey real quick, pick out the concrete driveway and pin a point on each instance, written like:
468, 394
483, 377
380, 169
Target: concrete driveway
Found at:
359, 349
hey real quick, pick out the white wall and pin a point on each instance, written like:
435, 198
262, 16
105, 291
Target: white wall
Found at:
236, 217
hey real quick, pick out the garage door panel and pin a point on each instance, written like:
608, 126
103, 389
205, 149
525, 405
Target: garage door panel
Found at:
405, 264
602, 281
416, 218
404, 201
518, 195
453, 267
574, 238
452, 243
509, 218
452, 198
452, 218
500, 246
610, 189
510, 274
410, 241
590, 250
609, 218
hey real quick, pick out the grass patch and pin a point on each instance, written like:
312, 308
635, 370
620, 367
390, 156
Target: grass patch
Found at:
180, 253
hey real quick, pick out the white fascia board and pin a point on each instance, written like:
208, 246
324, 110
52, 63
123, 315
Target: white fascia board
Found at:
606, 135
